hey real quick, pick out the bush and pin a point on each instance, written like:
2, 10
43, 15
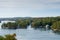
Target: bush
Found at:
8, 37
56, 26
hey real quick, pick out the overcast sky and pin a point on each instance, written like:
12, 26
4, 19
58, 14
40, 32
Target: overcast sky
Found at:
29, 8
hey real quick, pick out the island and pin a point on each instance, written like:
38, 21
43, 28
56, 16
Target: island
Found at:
52, 23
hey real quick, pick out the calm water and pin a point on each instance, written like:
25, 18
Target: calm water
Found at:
31, 34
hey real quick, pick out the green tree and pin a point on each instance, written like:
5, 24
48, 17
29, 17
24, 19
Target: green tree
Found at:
56, 26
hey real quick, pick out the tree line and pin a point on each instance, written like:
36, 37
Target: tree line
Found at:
53, 22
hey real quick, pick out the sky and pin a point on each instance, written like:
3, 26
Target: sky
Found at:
29, 8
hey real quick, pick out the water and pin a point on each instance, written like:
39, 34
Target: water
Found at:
31, 34
29, 28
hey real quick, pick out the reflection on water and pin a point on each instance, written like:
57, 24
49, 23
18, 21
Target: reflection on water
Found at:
32, 34
56, 32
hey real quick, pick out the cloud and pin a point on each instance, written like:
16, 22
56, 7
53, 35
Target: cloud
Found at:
38, 4
26, 6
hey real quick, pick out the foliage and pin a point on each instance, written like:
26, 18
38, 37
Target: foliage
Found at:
8, 37
56, 26
35, 22
23, 23
10, 25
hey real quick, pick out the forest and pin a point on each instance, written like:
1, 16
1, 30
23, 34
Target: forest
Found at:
39, 22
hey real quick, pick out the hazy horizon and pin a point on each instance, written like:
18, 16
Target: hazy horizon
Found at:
29, 8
